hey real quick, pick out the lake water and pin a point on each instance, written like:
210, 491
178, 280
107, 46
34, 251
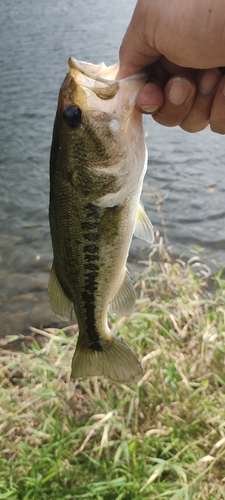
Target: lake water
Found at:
185, 171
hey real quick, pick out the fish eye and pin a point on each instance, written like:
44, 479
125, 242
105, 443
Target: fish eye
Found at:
72, 116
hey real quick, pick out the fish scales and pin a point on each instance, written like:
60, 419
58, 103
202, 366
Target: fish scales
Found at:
96, 176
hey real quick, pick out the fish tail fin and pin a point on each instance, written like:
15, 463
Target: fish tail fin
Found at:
114, 360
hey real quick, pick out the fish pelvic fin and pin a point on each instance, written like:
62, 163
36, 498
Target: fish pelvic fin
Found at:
114, 360
59, 302
143, 226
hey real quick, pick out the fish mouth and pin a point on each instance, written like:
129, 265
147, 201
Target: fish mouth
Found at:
101, 79
99, 72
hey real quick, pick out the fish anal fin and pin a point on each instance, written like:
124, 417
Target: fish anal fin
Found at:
114, 361
143, 227
124, 301
59, 302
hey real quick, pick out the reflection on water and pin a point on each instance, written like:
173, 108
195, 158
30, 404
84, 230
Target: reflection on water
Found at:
187, 172
184, 186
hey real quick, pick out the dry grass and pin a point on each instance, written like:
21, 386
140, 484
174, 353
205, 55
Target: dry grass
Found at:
162, 438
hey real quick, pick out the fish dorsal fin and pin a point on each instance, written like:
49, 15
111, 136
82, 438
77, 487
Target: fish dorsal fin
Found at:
59, 302
143, 226
124, 301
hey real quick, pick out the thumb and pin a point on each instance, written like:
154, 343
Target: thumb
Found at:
136, 52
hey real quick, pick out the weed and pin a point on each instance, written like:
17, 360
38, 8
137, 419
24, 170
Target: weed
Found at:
163, 438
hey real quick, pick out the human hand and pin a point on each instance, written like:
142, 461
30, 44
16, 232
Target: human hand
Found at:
182, 44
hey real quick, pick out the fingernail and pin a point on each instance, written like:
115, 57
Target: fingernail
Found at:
179, 91
208, 81
149, 109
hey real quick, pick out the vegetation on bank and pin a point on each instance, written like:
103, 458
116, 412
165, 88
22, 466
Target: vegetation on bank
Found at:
163, 438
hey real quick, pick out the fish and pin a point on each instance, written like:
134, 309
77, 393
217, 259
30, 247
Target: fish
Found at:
97, 165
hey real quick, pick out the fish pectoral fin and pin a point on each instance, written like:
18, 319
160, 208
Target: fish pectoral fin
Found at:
124, 301
114, 361
59, 302
143, 226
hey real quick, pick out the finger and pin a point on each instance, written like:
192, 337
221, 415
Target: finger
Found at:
136, 52
199, 115
179, 94
173, 69
217, 116
150, 98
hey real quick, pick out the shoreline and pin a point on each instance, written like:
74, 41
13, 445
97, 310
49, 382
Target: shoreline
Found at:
162, 437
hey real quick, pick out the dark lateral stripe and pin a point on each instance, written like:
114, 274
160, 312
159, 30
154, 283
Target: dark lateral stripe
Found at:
91, 257
92, 249
92, 210
91, 283
91, 267
92, 236
89, 229
93, 335
89, 226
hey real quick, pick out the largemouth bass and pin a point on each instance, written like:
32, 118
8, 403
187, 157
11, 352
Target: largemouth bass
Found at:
97, 165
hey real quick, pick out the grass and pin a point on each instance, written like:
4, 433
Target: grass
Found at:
163, 438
